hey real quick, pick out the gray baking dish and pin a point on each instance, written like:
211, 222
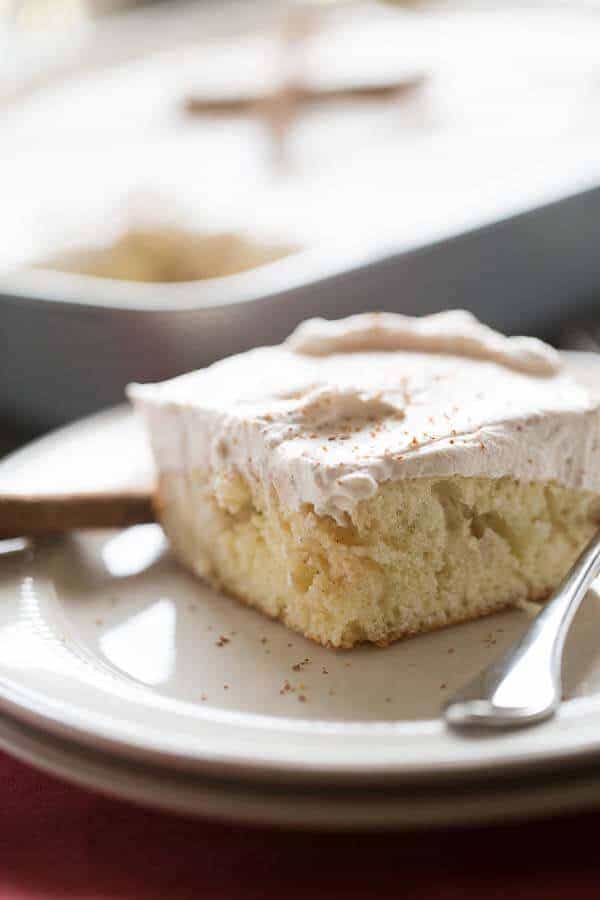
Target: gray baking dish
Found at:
69, 344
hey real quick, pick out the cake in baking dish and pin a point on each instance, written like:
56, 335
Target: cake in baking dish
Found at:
378, 476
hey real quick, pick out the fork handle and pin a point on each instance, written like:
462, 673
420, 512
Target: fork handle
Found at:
525, 685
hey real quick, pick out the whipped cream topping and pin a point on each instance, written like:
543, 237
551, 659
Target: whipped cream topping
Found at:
342, 407
455, 332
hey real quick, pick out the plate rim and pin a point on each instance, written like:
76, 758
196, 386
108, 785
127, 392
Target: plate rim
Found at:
244, 803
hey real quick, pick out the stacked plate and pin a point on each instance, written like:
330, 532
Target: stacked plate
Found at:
121, 672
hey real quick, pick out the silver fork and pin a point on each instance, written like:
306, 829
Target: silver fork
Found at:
525, 685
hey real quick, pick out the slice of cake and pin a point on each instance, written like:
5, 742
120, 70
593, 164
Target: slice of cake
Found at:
378, 476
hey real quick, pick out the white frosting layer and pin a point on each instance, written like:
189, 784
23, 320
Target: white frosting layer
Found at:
343, 406
455, 331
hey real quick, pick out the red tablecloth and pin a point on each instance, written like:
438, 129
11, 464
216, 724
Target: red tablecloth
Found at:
60, 841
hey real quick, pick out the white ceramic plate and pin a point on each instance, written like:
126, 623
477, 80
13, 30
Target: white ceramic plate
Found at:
304, 806
106, 642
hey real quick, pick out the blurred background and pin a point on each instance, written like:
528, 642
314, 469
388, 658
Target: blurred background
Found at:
183, 180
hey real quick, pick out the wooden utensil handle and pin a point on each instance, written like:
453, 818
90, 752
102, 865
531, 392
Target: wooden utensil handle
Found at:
30, 516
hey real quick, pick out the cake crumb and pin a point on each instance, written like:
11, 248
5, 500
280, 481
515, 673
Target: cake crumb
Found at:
297, 667
222, 641
203, 697
302, 698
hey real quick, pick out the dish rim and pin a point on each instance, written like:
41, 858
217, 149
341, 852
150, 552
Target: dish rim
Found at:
301, 269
